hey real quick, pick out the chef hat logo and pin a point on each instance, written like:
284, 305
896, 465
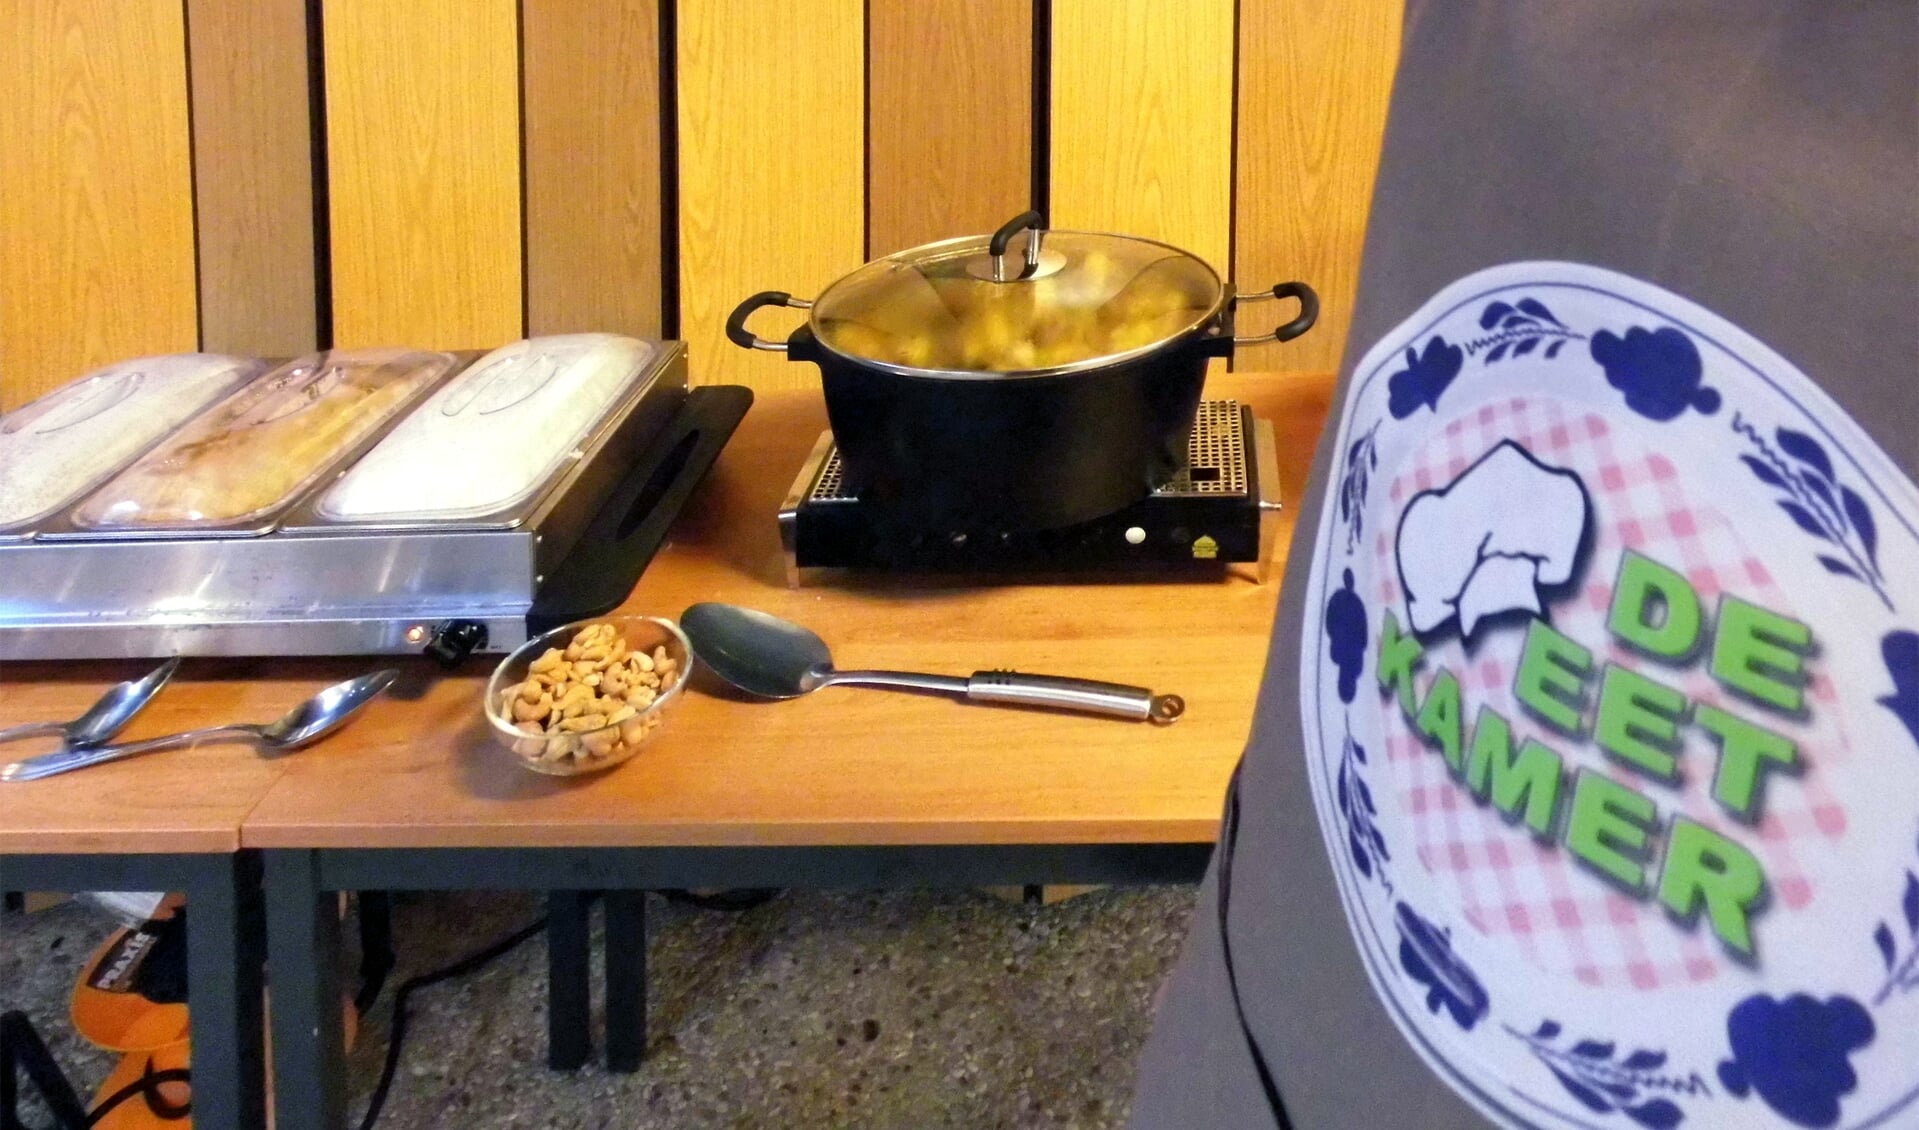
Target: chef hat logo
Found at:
1489, 541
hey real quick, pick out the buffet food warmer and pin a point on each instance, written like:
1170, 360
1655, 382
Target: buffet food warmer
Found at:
357, 501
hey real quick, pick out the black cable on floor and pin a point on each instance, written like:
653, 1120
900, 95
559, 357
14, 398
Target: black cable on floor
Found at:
738, 899
731, 901
459, 968
148, 1088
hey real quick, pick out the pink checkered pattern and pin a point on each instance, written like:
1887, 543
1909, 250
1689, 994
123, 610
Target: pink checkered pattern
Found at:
1509, 885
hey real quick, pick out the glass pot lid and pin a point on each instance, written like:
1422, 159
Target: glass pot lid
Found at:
1049, 301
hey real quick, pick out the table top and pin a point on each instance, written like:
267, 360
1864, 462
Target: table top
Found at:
844, 766
185, 800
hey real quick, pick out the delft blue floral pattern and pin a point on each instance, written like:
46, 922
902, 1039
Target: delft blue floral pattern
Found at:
1426, 954
1900, 650
1660, 371
1797, 467
1791, 1053
1795, 1054
1363, 839
1518, 329
1604, 1080
1346, 636
1425, 378
1362, 459
1901, 957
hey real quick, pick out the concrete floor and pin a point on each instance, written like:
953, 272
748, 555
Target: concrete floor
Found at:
896, 1009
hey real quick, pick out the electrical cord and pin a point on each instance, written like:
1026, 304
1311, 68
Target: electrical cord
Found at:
22, 1051
459, 968
148, 1088
733, 901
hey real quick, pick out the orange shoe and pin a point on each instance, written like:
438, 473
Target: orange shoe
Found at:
147, 1091
132, 993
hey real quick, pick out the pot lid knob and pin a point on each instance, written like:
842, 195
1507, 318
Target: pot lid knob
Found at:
997, 245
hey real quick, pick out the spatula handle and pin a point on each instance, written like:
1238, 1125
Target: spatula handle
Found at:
1086, 696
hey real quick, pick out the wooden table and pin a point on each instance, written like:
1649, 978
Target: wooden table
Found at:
842, 787
169, 822
843, 766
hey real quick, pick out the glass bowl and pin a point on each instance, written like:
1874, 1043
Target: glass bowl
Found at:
594, 701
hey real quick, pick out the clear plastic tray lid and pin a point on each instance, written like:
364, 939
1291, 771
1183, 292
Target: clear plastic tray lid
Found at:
253, 453
57, 448
487, 443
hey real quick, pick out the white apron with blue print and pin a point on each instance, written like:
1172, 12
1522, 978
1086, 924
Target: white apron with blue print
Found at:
1610, 691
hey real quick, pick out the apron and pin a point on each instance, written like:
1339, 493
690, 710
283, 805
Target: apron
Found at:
1583, 789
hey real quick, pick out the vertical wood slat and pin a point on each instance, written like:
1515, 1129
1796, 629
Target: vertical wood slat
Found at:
1142, 111
772, 169
253, 175
1314, 81
96, 193
950, 118
423, 155
593, 173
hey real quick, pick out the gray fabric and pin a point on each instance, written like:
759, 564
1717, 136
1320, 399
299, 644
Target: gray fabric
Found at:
1758, 158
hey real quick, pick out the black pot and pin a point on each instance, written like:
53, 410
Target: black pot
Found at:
978, 452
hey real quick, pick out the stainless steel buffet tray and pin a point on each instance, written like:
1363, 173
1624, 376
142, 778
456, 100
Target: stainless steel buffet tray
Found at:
311, 586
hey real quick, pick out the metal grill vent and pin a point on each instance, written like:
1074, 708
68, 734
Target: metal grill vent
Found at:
1216, 465
832, 482
1216, 459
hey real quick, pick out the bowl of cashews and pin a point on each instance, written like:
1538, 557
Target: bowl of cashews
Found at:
587, 696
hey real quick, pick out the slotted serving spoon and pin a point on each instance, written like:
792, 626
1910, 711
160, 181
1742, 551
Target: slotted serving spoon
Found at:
104, 718
304, 724
773, 658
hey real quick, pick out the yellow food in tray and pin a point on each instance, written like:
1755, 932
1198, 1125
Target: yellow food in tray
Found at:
254, 452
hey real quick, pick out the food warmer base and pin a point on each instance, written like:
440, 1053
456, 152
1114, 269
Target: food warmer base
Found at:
1222, 509
448, 593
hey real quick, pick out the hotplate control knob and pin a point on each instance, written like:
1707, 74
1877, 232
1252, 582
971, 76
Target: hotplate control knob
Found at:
454, 640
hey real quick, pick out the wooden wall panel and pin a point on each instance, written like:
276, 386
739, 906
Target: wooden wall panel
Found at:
1314, 80
950, 118
96, 193
423, 146
1142, 113
253, 175
592, 105
772, 169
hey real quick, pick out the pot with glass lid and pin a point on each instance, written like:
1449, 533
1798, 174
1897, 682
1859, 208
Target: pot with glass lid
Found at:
974, 386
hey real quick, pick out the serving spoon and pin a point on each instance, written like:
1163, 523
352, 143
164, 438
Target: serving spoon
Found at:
104, 718
764, 655
303, 725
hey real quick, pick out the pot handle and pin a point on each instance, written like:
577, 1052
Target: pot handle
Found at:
739, 335
1308, 311
996, 246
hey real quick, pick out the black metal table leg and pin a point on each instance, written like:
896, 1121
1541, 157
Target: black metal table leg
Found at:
569, 1007
24, 1056
376, 947
224, 952
625, 980
223, 960
303, 958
